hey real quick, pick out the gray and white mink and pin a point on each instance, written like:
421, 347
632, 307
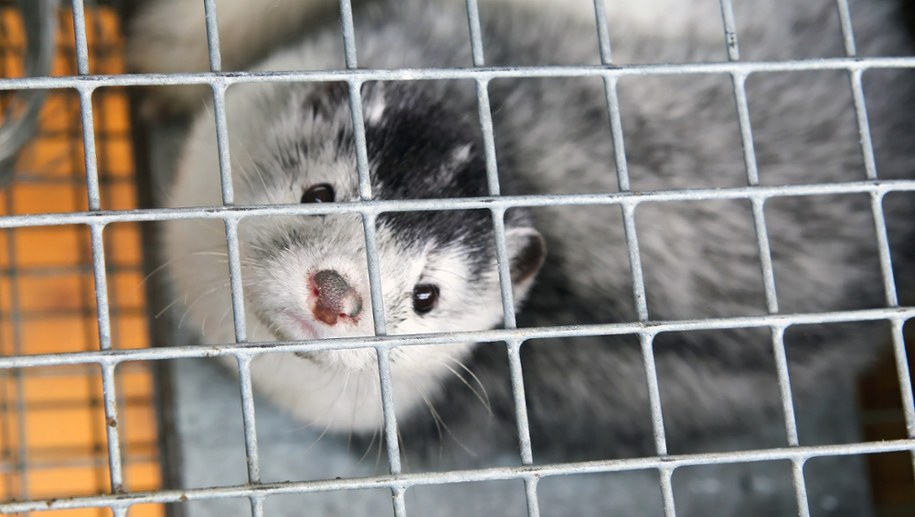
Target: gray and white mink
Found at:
305, 277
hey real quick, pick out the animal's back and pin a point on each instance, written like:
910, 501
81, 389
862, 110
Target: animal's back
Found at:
700, 259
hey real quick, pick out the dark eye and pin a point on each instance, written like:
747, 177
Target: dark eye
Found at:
321, 193
425, 296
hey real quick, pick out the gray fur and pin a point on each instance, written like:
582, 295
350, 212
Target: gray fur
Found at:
700, 259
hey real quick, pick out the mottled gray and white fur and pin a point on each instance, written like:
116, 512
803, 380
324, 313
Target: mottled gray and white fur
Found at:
700, 259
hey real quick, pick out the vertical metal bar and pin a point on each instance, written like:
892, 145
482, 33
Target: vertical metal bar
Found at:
530, 492
611, 84
476, 38
111, 428
109, 390
905, 376
101, 285
864, 128
603, 32
667, 491
374, 270
247, 413
765, 255
89, 155
883, 251
800, 488
349, 34
362, 160
635, 261
489, 141
784, 384
521, 419
257, 506
854, 76
371, 250
646, 340
222, 143
79, 34
236, 282
504, 264
213, 35
250, 429
399, 496
759, 218
628, 208
739, 80
730, 31
102, 167
387, 406
848, 35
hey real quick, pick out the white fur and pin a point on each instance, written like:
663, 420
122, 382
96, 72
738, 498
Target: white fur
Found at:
337, 389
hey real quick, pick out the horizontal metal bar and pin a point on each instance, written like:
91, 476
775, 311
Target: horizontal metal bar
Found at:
92, 82
374, 207
498, 335
668, 463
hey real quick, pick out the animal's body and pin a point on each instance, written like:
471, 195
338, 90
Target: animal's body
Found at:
305, 277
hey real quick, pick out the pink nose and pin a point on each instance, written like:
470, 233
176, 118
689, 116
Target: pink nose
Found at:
334, 298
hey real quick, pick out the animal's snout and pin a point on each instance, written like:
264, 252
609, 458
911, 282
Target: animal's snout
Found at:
334, 298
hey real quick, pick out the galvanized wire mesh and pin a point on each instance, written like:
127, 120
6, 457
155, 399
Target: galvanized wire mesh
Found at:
47, 285
109, 359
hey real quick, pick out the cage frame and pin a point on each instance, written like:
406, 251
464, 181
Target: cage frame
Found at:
108, 359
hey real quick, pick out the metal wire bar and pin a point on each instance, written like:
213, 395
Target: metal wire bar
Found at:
883, 250
387, 406
603, 32
667, 491
109, 389
517, 381
864, 130
102, 308
224, 79
898, 314
476, 38
464, 476
654, 393
236, 282
212, 35
848, 36
89, 153
530, 492
905, 378
79, 35
800, 487
247, 414
112, 428
371, 248
784, 384
514, 338
489, 144
622, 177
375, 207
349, 34
222, 143
730, 32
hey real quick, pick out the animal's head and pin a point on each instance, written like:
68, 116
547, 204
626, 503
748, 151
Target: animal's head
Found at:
306, 276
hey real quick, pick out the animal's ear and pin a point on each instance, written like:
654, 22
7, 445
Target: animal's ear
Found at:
527, 250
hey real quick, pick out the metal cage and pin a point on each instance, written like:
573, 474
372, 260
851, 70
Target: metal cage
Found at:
109, 359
